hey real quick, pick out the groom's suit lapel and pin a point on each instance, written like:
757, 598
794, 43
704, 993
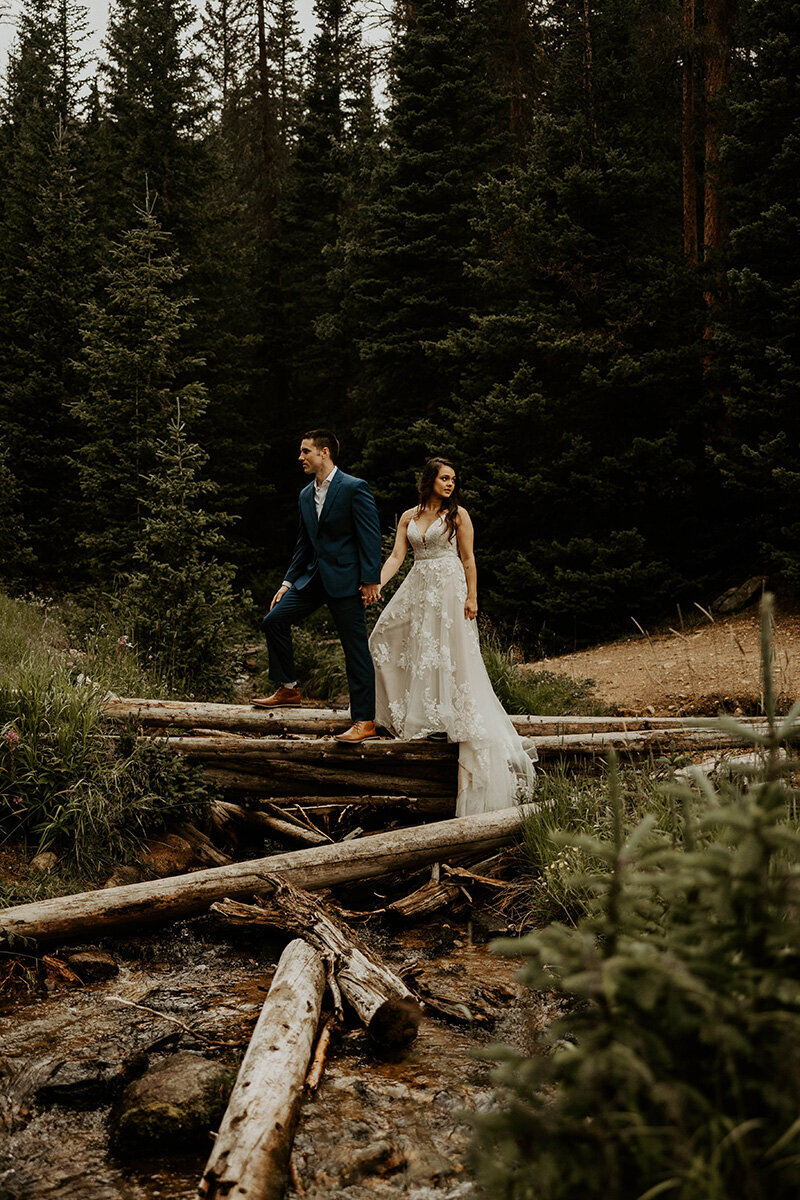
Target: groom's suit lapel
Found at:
309, 511
333, 488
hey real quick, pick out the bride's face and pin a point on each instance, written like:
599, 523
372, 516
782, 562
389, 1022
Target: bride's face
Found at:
444, 484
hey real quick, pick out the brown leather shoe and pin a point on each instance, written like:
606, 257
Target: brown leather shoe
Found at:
359, 731
283, 697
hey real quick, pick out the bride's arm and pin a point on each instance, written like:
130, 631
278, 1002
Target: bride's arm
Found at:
466, 548
399, 550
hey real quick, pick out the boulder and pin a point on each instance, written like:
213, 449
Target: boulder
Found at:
174, 1105
167, 854
90, 1079
45, 861
737, 598
92, 965
125, 874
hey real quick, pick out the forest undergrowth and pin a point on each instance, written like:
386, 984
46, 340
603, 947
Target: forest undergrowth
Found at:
675, 1067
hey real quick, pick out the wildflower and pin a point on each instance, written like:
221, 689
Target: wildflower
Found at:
17, 800
11, 738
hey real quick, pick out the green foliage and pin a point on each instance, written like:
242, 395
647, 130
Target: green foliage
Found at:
520, 690
179, 597
757, 330
406, 273
675, 1069
65, 785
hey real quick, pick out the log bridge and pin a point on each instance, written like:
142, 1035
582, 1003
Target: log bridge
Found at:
290, 755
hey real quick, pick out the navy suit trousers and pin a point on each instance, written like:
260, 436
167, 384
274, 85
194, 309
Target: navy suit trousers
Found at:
351, 625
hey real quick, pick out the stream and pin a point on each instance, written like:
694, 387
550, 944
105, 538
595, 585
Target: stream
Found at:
375, 1127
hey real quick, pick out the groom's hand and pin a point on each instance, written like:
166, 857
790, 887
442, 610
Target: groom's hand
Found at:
281, 592
370, 592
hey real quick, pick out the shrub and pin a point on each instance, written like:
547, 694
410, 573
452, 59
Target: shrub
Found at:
66, 785
543, 693
676, 1069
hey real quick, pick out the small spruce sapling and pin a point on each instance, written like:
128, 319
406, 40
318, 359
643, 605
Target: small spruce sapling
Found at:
676, 1069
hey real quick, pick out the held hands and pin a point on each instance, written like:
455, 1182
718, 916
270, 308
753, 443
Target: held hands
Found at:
370, 592
281, 592
471, 609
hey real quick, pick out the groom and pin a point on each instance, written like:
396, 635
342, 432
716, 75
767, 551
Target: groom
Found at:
337, 561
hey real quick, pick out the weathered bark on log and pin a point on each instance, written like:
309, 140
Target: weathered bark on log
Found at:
180, 714
261, 820
251, 1152
382, 1002
295, 779
206, 852
438, 893
159, 900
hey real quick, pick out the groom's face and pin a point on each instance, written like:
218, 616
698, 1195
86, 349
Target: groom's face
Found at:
310, 458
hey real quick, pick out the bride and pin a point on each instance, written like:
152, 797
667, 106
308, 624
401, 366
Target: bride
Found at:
429, 674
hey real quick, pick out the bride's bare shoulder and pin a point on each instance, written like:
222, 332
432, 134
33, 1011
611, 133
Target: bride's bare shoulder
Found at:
406, 516
463, 515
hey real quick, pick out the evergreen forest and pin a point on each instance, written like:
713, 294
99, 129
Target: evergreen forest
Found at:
556, 240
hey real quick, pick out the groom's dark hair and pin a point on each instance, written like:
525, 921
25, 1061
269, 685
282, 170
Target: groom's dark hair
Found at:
322, 438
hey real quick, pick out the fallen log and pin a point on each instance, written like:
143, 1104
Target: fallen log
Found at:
382, 1002
206, 852
254, 818
251, 1151
181, 714
420, 759
295, 779
159, 900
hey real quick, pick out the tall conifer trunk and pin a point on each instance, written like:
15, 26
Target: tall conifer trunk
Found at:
689, 136
718, 19
265, 105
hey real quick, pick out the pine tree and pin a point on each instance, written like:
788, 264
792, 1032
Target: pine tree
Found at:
41, 385
44, 238
408, 284
153, 113
580, 395
758, 329
135, 368
317, 363
178, 597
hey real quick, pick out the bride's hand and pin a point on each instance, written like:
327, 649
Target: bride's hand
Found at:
471, 610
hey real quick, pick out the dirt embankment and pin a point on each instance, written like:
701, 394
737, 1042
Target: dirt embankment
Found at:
702, 669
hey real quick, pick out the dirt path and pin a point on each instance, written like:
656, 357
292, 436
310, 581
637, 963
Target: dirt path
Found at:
700, 669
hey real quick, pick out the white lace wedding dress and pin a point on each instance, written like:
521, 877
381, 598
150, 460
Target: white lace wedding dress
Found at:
430, 677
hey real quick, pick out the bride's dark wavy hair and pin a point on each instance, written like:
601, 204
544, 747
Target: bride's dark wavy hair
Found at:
430, 473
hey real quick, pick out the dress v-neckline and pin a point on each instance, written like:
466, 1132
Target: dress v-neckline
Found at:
429, 528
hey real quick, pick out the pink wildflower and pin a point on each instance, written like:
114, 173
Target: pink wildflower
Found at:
11, 739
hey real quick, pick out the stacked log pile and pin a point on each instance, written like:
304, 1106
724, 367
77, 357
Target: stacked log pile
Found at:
290, 755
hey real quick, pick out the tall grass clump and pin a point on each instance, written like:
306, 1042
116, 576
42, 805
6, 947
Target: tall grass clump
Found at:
675, 1070
66, 785
542, 693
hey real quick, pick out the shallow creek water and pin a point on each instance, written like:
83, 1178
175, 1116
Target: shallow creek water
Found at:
374, 1127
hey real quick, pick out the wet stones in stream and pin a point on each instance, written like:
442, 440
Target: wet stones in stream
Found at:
174, 1105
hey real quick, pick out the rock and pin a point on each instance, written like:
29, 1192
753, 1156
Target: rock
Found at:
45, 861
168, 854
174, 1104
737, 598
90, 1080
123, 875
379, 1158
92, 965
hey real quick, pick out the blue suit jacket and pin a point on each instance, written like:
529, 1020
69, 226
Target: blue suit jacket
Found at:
344, 545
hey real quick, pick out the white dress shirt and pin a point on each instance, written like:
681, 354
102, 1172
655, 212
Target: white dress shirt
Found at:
321, 490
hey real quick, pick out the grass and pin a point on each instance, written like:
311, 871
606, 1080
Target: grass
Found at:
579, 803
541, 693
66, 783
